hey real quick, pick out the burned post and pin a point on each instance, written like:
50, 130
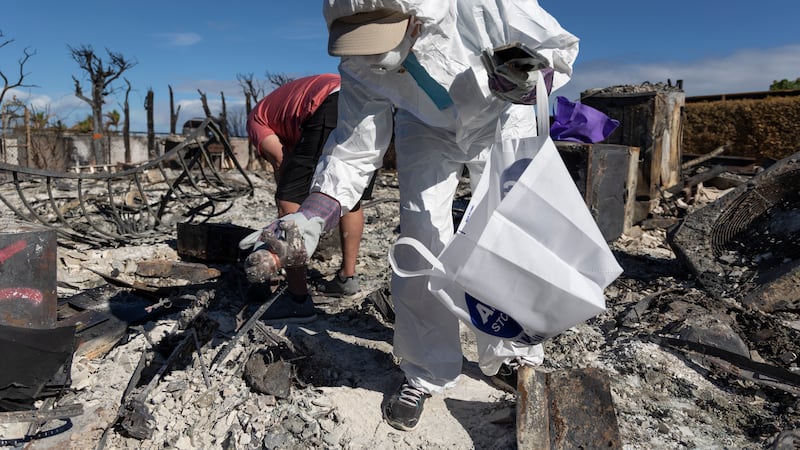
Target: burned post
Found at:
151, 134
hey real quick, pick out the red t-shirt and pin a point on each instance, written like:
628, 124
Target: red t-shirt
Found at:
285, 109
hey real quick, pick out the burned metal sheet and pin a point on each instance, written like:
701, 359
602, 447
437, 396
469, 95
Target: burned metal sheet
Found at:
606, 177
143, 202
36, 363
211, 242
748, 239
27, 275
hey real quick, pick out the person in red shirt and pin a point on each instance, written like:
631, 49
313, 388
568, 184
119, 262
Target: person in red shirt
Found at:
289, 127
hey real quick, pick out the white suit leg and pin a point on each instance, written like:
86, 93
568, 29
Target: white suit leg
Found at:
426, 335
492, 352
426, 332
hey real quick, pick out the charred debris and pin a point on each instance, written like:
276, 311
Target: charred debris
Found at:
733, 222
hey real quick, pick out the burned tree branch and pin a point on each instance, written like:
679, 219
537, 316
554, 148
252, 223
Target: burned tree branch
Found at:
204, 102
252, 88
278, 79
8, 85
100, 75
714, 153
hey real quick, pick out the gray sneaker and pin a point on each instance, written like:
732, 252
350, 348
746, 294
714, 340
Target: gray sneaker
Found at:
340, 286
404, 407
289, 308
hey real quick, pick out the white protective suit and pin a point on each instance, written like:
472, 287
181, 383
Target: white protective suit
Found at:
432, 147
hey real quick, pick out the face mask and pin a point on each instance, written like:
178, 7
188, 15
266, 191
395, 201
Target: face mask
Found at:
391, 60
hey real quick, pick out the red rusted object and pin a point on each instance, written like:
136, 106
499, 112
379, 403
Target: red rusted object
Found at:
28, 275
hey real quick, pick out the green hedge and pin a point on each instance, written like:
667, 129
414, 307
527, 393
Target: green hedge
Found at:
757, 128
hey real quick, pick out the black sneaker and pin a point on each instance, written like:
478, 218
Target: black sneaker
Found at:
290, 308
339, 286
404, 407
506, 378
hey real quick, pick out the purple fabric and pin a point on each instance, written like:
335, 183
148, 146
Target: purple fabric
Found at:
577, 122
320, 205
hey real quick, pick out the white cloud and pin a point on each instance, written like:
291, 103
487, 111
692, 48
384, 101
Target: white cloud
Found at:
194, 108
744, 71
179, 39
67, 108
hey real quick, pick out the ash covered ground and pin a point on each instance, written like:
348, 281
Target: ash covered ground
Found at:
342, 370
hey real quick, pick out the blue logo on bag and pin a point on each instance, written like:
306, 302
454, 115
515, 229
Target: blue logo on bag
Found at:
512, 173
497, 323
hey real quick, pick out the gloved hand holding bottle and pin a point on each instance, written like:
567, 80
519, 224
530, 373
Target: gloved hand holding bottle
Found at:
291, 240
513, 70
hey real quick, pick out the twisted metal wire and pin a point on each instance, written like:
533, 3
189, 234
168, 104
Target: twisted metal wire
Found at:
142, 203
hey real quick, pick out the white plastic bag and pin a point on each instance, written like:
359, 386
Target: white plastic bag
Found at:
528, 260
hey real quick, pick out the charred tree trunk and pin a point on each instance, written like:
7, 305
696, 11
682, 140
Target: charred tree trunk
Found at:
252, 155
151, 135
173, 113
28, 148
98, 149
223, 117
204, 102
126, 125
101, 76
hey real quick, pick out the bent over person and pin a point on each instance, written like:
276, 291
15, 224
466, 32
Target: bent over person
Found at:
422, 59
289, 128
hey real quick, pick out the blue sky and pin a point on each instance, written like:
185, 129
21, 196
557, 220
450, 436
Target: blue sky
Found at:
714, 46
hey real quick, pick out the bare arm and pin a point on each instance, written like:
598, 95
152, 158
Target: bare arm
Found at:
272, 150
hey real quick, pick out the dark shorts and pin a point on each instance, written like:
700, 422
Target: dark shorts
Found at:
298, 169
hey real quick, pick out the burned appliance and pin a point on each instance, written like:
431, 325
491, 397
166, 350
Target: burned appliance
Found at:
746, 245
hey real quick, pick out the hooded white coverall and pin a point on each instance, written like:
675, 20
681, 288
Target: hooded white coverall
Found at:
433, 146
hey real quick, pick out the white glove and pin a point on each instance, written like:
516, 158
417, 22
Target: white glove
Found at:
291, 240
286, 242
281, 235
